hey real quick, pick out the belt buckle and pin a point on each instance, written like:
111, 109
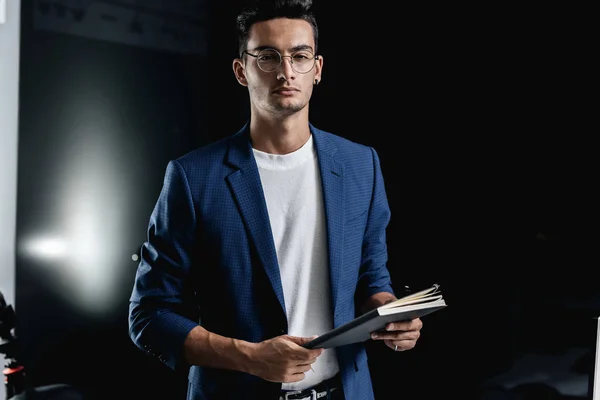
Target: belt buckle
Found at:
287, 394
313, 394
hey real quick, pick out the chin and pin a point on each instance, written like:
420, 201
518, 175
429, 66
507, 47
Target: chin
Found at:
289, 108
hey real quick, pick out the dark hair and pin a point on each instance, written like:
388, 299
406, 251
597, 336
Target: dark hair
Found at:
264, 10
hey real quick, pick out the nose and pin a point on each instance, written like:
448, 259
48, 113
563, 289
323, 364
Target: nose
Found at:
285, 71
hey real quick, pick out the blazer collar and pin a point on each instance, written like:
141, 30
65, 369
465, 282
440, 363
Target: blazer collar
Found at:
240, 149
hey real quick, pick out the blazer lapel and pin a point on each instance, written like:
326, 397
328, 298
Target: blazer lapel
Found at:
333, 197
247, 190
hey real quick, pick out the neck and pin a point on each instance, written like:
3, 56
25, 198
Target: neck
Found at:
279, 135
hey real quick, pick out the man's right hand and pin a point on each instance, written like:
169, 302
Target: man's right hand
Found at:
282, 359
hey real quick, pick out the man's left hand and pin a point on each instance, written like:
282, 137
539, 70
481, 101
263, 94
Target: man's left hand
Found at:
400, 336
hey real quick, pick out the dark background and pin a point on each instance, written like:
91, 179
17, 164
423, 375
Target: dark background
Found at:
481, 120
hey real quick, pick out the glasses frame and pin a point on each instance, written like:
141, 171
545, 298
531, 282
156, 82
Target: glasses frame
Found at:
281, 57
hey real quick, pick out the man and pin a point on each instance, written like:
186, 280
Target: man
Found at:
267, 238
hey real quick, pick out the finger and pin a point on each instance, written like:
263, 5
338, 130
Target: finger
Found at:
301, 369
402, 345
304, 368
395, 346
302, 340
309, 362
398, 335
294, 377
299, 340
296, 372
414, 325
312, 353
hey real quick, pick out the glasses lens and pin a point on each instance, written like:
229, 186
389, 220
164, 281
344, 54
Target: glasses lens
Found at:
269, 60
303, 61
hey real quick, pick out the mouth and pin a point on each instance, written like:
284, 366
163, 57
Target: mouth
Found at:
285, 91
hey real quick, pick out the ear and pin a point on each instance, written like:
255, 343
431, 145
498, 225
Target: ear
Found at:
318, 69
240, 71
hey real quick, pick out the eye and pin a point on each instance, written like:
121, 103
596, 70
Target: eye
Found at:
301, 56
267, 57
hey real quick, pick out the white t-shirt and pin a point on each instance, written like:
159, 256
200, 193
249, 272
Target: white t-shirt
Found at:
292, 187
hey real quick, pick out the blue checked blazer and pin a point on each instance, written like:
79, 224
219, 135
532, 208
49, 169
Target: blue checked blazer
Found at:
210, 259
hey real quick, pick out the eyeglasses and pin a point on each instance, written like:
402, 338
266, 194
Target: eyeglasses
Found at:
269, 60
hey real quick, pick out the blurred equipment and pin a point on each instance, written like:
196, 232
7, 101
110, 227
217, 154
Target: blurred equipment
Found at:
16, 381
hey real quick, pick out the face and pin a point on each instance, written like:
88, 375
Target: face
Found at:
283, 91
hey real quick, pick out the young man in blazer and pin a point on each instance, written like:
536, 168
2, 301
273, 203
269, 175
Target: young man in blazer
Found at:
267, 238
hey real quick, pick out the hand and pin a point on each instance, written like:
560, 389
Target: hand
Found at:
282, 359
400, 336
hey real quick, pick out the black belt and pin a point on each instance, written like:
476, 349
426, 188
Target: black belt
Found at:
319, 391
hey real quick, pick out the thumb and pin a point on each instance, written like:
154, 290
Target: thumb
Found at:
317, 351
308, 339
299, 340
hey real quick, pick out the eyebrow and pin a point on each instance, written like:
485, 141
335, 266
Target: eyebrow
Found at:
293, 49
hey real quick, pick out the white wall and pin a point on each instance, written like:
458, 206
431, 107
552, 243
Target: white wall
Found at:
9, 86
595, 389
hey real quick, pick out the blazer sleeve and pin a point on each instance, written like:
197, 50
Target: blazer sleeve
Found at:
161, 312
374, 276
